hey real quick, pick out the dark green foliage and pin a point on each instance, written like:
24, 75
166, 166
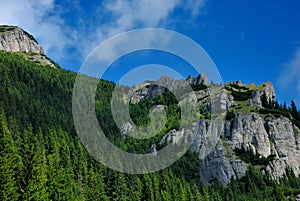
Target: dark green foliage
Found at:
187, 167
273, 111
10, 163
255, 159
295, 114
273, 108
239, 93
230, 115
238, 87
241, 96
139, 112
41, 157
35, 95
4, 28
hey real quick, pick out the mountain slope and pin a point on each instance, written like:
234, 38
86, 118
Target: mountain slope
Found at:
14, 39
248, 119
42, 158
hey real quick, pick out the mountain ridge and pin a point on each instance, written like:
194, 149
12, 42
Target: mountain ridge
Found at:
244, 100
15, 39
257, 125
255, 140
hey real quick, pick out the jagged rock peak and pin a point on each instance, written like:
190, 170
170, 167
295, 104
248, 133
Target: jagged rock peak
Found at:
202, 78
15, 39
267, 90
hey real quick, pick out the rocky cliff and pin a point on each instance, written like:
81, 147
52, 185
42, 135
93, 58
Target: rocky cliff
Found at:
242, 127
14, 39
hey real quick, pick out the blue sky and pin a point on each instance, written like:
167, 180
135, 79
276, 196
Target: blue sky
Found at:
252, 41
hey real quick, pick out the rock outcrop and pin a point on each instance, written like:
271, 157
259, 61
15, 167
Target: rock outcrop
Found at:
218, 136
267, 90
248, 131
165, 83
264, 136
126, 129
14, 39
200, 79
285, 144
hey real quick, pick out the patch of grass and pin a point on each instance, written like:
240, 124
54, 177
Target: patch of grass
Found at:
275, 112
243, 106
5, 28
239, 93
224, 139
254, 87
30, 57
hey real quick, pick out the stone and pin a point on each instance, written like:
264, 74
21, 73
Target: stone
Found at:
216, 139
17, 40
153, 150
268, 90
126, 129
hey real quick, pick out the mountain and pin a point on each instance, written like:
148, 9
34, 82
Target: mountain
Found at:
251, 121
14, 39
245, 146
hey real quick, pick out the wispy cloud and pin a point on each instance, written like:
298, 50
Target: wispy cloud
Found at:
289, 79
49, 21
41, 19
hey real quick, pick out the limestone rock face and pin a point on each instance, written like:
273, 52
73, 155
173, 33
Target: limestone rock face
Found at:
200, 79
256, 97
217, 166
264, 136
165, 83
221, 102
174, 136
285, 140
15, 39
213, 160
153, 150
216, 136
126, 129
249, 132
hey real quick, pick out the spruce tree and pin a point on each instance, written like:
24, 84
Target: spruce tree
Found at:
10, 164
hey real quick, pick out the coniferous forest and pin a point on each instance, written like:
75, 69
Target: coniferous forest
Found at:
42, 158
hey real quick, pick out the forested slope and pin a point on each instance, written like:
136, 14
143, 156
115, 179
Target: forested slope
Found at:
41, 157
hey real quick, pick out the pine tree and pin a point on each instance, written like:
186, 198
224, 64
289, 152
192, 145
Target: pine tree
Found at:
10, 164
58, 178
294, 111
36, 188
96, 186
35, 167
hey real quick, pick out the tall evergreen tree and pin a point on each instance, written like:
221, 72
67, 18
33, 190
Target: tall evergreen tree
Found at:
294, 111
10, 164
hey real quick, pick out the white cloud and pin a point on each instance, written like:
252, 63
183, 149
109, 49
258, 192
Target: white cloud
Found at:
131, 14
289, 79
194, 6
39, 19
44, 20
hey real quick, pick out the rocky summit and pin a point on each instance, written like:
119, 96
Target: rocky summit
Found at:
249, 124
15, 39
